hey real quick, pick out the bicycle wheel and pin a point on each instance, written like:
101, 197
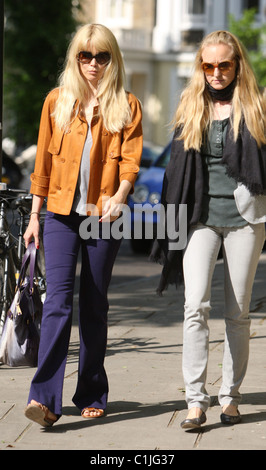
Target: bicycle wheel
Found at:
7, 283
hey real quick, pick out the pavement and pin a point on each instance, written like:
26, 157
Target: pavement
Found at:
143, 363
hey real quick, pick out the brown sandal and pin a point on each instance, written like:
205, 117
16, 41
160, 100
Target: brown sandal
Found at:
40, 414
99, 412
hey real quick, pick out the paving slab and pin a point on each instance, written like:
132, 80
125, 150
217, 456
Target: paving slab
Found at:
143, 363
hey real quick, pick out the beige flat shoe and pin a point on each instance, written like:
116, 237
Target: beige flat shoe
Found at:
40, 414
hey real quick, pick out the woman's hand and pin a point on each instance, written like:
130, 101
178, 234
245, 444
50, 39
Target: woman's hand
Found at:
113, 205
111, 209
32, 231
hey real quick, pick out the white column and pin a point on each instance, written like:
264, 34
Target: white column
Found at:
219, 15
263, 11
263, 21
161, 32
176, 23
235, 8
167, 31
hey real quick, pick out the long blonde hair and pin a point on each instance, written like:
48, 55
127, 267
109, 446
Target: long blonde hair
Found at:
112, 97
195, 111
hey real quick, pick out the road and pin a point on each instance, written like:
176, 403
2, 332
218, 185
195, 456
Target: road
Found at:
130, 266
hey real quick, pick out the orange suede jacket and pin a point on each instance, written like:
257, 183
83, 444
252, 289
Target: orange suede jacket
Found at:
113, 157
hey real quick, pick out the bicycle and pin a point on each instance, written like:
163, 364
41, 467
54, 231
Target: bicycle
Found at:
12, 248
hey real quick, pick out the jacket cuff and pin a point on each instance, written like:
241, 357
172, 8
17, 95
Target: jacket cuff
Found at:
39, 184
131, 177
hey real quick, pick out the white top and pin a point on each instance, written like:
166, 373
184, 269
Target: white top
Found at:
80, 199
251, 208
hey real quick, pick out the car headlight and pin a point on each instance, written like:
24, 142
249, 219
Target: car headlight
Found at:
141, 193
154, 198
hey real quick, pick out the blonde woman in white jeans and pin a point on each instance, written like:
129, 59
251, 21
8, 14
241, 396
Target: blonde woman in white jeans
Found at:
241, 250
218, 169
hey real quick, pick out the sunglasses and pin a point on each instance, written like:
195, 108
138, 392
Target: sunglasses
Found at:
224, 67
86, 57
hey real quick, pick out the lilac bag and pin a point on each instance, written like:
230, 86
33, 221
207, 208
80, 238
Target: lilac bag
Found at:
21, 333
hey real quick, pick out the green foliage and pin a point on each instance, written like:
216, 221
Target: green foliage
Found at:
37, 33
253, 38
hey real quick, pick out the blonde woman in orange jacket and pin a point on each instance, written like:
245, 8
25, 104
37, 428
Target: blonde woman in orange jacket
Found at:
88, 155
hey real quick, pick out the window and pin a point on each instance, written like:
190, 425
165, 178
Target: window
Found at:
119, 8
196, 7
251, 4
117, 13
191, 37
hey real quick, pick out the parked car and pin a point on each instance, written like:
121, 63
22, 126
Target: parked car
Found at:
150, 153
147, 195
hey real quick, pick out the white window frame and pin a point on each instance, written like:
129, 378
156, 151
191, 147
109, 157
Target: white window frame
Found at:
196, 14
116, 13
190, 20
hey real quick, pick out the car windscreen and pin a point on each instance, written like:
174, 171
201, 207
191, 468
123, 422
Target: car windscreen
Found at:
164, 158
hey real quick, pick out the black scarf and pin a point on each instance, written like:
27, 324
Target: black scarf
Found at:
222, 95
183, 184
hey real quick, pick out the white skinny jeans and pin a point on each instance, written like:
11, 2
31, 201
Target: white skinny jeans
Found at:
241, 250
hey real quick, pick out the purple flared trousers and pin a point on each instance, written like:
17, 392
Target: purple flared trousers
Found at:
62, 243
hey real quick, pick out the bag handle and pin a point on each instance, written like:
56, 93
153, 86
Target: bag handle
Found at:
29, 256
